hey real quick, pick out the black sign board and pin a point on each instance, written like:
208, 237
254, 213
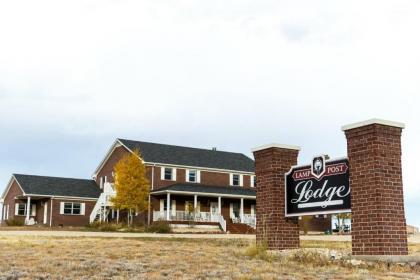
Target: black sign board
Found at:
319, 188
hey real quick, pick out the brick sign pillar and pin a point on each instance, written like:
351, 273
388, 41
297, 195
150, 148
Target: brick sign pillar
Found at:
378, 220
271, 163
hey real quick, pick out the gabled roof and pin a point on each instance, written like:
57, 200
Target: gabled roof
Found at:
194, 157
57, 186
198, 188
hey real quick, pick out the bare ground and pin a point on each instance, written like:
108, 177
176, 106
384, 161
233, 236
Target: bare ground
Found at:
29, 257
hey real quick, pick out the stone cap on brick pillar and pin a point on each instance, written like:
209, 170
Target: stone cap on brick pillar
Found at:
372, 121
275, 145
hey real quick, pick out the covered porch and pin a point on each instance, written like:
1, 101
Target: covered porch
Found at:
204, 204
31, 210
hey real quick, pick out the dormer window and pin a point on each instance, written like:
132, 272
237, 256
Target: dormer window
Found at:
192, 176
236, 180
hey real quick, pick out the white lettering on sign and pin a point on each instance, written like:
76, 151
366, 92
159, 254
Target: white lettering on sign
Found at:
305, 192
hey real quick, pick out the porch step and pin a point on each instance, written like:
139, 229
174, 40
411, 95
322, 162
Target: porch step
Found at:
239, 228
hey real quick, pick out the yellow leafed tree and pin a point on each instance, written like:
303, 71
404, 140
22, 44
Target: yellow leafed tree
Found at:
131, 185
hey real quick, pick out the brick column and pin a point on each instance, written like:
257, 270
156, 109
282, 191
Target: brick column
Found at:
271, 163
378, 219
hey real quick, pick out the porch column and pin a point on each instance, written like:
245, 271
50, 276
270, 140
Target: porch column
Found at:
168, 206
219, 200
195, 202
28, 208
241, 213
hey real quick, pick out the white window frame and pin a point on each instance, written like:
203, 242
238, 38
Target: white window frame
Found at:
197, 175
33, 209
173, 173
253, 183
240, 179
82, 208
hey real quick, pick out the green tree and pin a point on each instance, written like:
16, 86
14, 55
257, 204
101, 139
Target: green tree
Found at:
131, 185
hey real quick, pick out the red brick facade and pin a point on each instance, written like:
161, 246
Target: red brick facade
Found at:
9, 200
212, 178
378, 220
41, 203
108, 166
272, 226
70, 220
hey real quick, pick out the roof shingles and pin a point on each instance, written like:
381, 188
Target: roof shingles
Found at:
57, 186
177, 155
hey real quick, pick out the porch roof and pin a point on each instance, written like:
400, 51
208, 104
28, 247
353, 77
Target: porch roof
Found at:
207, 190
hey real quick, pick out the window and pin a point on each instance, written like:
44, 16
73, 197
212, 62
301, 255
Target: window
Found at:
236, 180
21, 209
192, 176
253, 181
168, 173
71, 208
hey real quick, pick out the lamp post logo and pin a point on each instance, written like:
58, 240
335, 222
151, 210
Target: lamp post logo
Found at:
318, 166
319, 188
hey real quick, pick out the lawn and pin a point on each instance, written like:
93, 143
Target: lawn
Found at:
131, 258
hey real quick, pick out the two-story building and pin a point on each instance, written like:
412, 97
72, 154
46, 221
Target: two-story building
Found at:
206, 187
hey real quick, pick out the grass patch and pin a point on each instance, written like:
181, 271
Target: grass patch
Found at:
112, 227
309, 257
14, 223
159, 227
259, 251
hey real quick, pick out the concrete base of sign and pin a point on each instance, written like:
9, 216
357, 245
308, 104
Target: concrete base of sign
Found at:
388, 259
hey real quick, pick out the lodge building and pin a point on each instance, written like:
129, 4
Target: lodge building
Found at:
219, 185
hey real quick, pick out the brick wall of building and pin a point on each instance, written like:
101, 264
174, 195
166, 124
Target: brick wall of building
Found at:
211, 178
319, 223
108, 166
272, 226
378, 220
70, 220
9, 200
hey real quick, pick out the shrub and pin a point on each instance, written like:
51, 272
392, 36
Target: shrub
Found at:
306, 256
259, 251
14, 223
104, 226
159, 227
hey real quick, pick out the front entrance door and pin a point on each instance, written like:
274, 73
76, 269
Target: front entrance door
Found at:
45, 212
214, 213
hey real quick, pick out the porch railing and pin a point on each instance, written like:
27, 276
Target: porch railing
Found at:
187, 216
250, 220
183, 216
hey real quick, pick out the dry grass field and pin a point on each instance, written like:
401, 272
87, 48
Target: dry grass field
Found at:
129, 258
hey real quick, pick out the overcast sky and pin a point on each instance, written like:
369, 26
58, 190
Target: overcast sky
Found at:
75, 75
